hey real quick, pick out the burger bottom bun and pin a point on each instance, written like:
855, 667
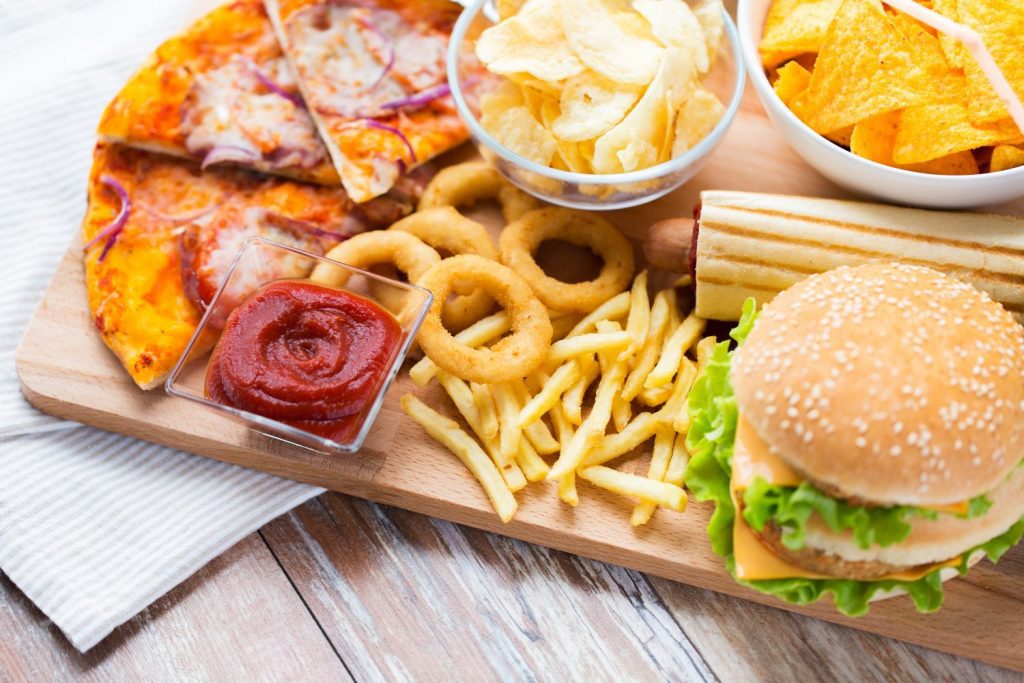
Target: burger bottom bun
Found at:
929, 541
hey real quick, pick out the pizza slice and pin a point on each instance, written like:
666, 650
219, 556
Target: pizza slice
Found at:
222, 93
373, 74
159, 235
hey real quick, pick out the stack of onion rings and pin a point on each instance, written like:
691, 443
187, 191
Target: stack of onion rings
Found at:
509, 358
449, 232
466, 184
521, 239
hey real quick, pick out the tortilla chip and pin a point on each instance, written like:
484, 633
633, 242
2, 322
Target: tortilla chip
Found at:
951, 47
841, 136
1001, 25
797, 26
866, 67
1005, 157
938, 130
770, 60
875, 139
793, 80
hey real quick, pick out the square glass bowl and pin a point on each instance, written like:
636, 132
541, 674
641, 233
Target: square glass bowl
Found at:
591, 191
259, 262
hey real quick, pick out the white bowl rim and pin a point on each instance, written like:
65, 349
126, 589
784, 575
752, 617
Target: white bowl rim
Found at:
752, 59
708, 143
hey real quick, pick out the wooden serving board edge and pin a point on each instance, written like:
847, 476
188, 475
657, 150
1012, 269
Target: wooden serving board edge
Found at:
65, 370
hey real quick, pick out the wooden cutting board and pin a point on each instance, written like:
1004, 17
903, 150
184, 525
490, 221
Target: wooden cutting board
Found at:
66, 370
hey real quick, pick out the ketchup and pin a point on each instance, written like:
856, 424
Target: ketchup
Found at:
310, 356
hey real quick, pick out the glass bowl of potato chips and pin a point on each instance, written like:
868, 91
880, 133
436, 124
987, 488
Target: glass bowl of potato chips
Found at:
882, 104
597, 104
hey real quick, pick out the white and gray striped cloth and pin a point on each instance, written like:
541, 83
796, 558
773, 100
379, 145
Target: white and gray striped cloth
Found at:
93, 526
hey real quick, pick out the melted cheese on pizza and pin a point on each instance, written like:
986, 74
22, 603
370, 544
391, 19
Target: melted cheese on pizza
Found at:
201, 92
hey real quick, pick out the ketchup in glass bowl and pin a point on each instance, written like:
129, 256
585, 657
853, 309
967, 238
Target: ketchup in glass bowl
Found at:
295, 358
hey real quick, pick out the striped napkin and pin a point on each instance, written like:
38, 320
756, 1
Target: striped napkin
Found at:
93, 526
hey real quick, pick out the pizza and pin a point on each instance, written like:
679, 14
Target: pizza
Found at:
160, 233
222, 93
373, 75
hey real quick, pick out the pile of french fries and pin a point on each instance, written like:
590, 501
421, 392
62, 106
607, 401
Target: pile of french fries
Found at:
634, 350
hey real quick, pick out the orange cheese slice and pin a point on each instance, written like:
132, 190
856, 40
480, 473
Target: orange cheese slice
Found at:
751, 458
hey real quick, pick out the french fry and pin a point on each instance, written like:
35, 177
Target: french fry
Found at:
612, 446
622, 412
533, 466
623, 483
564, 377
571, 347
705, 347
537, 431
653, 398
563, 323
485, 407
679, 341
572, 399
567, 489
639, 319
648, 355
564, 430
592, 428
448, 434
465, 401
479, 333
677, 465
509, 433
615, 308
664, 439
676, 402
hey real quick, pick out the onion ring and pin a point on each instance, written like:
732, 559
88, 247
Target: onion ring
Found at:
466, 184
446, 230
401, 249
521, 238
511, 357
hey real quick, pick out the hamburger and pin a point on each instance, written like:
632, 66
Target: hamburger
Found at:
864, 438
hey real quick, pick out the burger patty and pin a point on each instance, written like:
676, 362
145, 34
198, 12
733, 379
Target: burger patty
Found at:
819, 561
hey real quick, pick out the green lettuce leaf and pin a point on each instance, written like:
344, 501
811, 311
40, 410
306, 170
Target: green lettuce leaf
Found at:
713, 415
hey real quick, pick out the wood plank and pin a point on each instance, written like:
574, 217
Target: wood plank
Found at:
238, 618
405, 597
66, 370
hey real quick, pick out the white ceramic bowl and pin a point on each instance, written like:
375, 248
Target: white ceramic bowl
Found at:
592, 191
854, 172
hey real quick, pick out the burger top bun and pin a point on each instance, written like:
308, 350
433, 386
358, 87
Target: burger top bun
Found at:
889, 383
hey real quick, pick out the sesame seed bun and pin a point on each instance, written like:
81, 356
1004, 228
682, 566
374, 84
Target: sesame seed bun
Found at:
930, 541
887, 383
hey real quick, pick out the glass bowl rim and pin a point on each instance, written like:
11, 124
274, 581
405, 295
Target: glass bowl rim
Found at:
296, 434
707, 143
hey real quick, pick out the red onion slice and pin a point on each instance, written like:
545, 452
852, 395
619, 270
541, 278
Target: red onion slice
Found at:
373, 123
268, 83
419, 99
229, 153
115, 226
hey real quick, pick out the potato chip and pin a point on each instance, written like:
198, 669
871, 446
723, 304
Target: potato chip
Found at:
796, 26
770, 60
1001, 26
648, 119
576, 155
918, 141
604, 47
709, 14
697, 117
875, 139
1005, 157
530, 42
591, 105
675, 24
638, 153
508, 8
865, 67
634, 24
518, 131
793, 79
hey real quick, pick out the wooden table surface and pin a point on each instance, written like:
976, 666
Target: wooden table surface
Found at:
345, 589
